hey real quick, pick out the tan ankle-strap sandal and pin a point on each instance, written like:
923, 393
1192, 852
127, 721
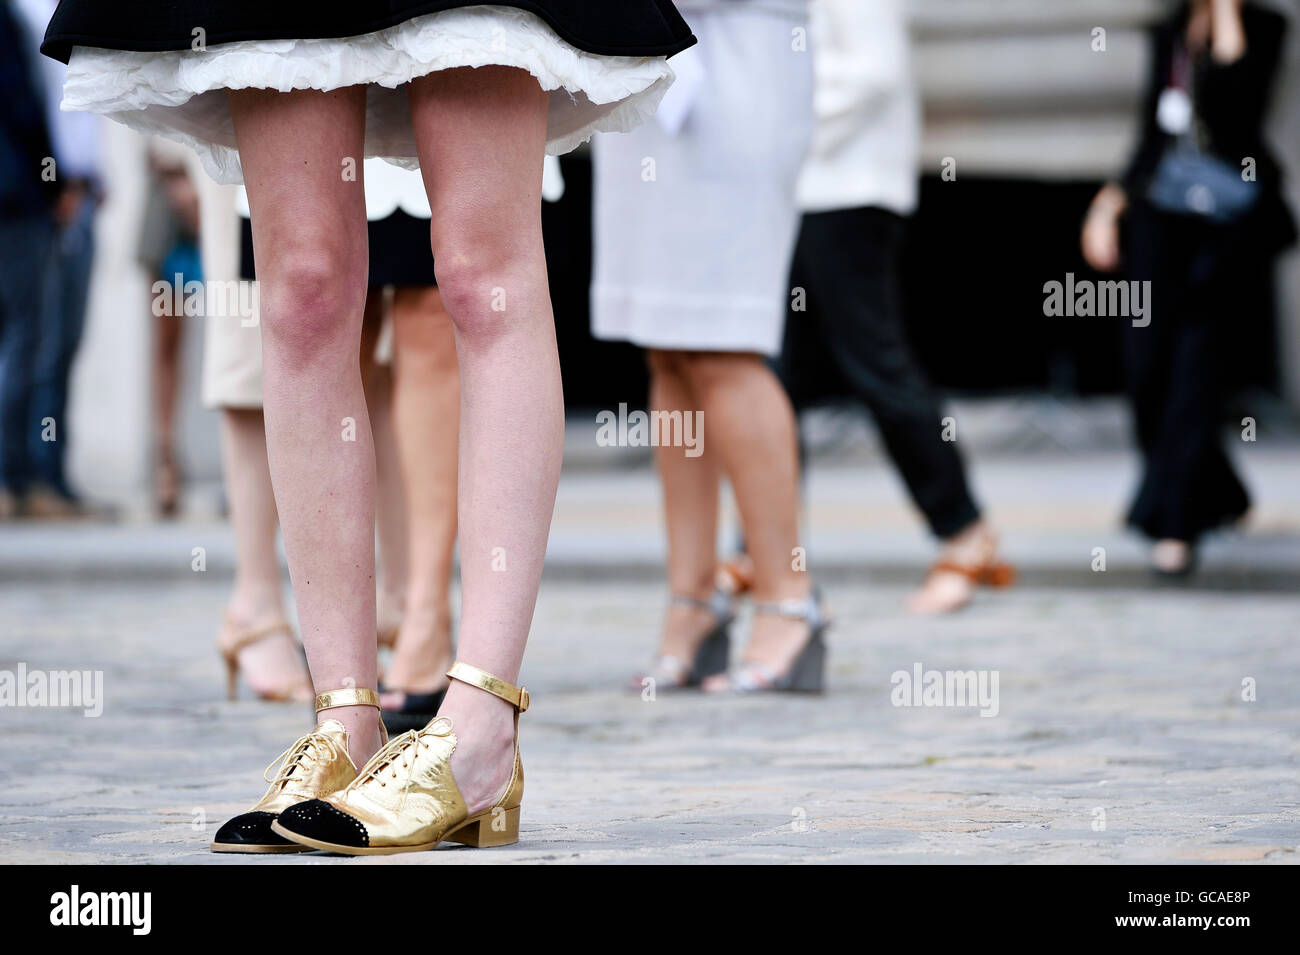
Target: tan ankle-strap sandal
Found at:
234, 637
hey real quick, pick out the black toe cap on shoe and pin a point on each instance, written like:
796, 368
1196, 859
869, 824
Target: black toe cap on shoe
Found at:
318, 820
250, 829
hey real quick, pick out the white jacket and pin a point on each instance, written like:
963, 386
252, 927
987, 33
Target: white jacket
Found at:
866, 143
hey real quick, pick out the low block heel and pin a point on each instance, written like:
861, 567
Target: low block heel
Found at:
498, 828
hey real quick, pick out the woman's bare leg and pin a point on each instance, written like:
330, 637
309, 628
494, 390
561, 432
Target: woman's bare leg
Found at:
750, 425
309, 234
481, 137
257, 599
390, 493
426, 409
690, 486
166, 388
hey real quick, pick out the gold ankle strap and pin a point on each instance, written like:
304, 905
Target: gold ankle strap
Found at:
348, 697
516, 696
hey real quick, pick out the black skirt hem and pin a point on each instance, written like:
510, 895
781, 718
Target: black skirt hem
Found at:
74, 23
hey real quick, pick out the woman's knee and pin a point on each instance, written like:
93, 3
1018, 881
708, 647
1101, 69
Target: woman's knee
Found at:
491, 275
705, 370
312, 301
664, 363
474, 295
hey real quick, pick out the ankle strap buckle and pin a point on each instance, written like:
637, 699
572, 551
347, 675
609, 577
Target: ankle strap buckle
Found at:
516, 696
351, 696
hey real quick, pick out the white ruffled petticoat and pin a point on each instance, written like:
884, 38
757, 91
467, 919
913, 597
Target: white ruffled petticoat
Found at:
181, 94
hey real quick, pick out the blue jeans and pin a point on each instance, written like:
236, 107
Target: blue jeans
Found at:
63, 318
25, 246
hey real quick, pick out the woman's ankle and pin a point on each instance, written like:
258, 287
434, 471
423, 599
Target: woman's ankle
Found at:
426, 620
1172, 555
390, 605
791, 587
696, 588
976, 541
684, 629
423, 651
363, 727
485, 743
254, 608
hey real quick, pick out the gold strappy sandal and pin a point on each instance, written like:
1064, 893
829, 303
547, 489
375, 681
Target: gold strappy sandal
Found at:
234, 638
314, 765
406, 800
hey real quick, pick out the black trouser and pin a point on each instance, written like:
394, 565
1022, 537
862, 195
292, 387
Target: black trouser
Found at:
1174, 374
847, 264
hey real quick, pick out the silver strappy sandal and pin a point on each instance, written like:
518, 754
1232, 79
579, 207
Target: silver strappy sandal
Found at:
670, 672
808, 671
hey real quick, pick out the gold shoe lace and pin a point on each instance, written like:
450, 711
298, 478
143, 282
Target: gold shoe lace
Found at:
292, 757
386, 758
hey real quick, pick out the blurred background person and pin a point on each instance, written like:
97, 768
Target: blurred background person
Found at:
857, 187
168, 250
29, 197
695, 221
425, 396
1198, 212
63, 312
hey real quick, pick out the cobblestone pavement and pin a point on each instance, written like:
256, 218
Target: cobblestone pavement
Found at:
1123, 731
1121, 735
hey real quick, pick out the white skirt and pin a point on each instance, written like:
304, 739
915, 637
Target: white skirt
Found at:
181, 94
695, 223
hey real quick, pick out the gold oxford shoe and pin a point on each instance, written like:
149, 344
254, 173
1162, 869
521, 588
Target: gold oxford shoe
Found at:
406, 800
315, 765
